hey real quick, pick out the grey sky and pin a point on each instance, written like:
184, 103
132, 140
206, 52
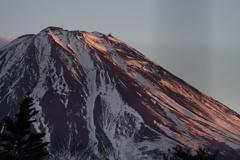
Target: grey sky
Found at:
200, 43
4, 40
197, 40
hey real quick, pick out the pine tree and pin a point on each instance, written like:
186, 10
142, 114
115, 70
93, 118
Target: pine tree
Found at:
17, 142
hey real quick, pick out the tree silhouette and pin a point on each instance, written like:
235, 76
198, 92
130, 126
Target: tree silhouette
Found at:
17, 142
185, 153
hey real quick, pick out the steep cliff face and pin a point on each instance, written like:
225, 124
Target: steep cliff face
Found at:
94, 90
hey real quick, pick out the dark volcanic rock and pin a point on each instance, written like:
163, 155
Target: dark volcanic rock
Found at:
95, 90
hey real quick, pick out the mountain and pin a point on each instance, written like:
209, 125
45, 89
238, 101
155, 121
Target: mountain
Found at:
95, 91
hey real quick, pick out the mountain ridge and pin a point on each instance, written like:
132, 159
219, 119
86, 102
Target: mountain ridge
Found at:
92, 88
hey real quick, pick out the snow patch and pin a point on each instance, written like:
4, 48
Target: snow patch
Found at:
41, 123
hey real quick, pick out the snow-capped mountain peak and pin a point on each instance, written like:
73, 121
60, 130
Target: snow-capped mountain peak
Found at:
94, 90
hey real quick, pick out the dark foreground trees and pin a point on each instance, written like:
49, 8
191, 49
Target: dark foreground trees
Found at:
17, 142
183, 153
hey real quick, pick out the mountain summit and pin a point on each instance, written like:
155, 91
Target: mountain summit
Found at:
93, 90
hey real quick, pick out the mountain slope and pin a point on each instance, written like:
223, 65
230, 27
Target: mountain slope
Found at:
93, 90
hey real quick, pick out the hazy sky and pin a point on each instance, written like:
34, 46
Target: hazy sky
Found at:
197, 40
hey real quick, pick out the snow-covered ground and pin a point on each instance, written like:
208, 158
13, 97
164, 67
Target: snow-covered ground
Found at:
115, 92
